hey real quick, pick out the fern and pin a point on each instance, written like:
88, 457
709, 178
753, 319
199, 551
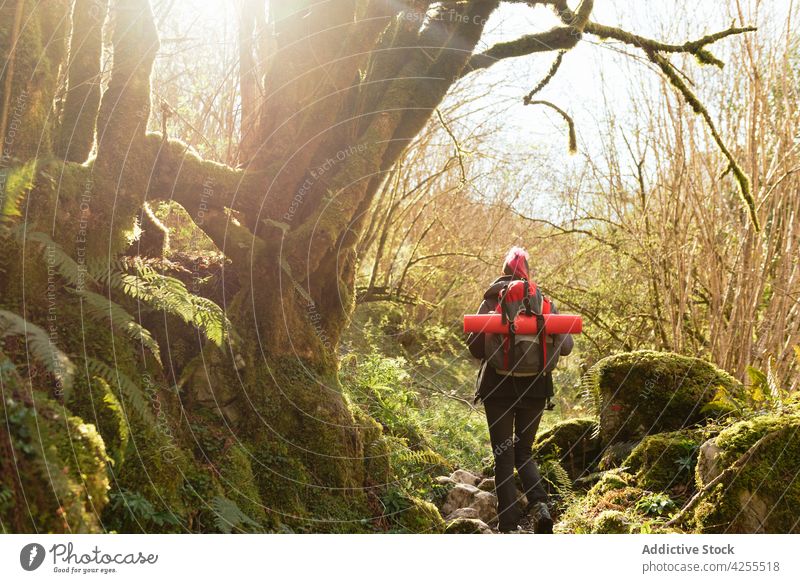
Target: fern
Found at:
53, 254
18, 182
113, 404
170, 295
40, 347
100, 308
133, 394
228, 516
590, 394
420, 457
555, 474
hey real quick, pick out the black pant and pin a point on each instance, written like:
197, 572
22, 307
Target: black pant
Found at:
512, 429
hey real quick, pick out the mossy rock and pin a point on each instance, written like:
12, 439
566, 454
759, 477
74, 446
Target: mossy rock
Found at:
611, 480
419, 516
646, 392
573, 443
62, 466
615, 454
611, 522
665, 462
764, 495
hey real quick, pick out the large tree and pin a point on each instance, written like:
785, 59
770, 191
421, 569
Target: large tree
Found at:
331, 93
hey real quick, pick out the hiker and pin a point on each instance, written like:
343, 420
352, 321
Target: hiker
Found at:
515, 384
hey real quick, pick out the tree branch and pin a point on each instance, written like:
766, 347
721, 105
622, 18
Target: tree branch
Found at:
76, 135
573, 140
695, 47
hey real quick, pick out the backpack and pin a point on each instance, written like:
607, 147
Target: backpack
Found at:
529, 354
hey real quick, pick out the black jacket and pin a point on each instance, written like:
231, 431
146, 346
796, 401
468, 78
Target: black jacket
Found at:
490, 384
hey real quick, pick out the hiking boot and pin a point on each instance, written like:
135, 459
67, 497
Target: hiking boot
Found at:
542, 521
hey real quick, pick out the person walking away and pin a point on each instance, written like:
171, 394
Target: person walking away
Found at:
515, 385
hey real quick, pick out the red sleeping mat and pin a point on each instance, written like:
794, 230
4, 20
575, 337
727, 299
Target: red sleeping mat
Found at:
492, 323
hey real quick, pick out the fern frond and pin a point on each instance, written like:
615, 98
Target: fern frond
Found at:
113, 404
53, 254
130, 390
228, 516
18, 182
40, 347
421, 457
162, 292
101, 308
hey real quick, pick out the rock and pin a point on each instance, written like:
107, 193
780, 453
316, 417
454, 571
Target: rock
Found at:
616, 453
708, 461
646, 392
465, 477
444, 480
463, 513
467, 526
460, 496
764, 495
419, 517
486, 505
665, 461
487, 466
573, 442
487, 485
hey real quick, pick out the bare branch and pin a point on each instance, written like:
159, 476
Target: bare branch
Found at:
547, 78
733, 166
695, 47
573, 140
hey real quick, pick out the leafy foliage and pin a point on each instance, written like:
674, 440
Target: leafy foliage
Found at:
162, 292
139, 510
132, 391
229, 517
39, 347
101, 308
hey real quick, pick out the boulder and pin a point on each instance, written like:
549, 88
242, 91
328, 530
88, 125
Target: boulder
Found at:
573, 443
467, 526
463, 513
465, 477
420, 517
460, 496
487, 485
763, 496
487, 466
665, 462
646, 392
485, 503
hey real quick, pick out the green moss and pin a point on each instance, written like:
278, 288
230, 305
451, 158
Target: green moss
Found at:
665, 461
611, 480
419, 516
765, 494
38, 54
572, 442
62, 464
237, 478
611, 522
646, 392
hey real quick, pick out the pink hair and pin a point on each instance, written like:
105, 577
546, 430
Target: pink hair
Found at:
515, 252
517, 260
